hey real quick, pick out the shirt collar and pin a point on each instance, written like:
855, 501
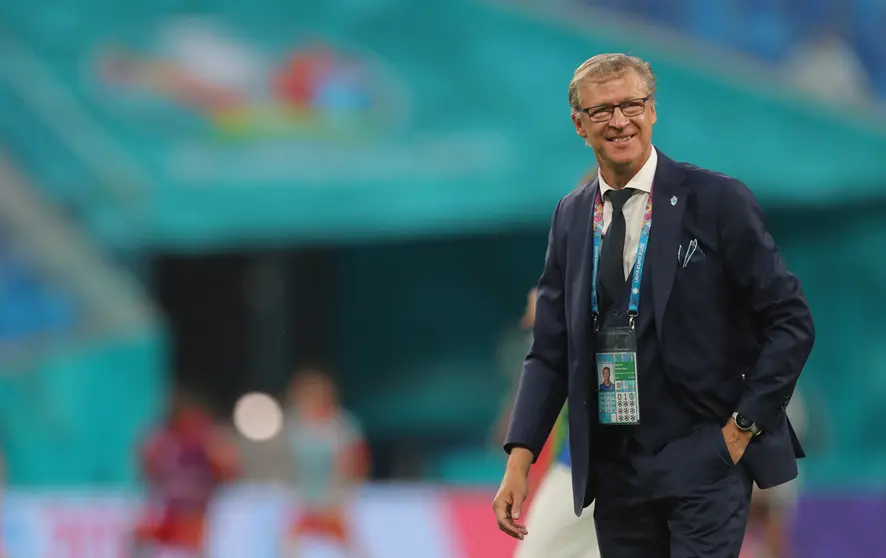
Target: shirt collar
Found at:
641, 181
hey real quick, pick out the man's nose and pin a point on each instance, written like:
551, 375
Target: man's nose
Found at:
618, 120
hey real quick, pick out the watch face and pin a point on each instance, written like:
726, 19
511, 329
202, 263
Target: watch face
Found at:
743, 423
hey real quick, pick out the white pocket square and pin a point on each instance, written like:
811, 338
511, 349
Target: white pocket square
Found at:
684, 256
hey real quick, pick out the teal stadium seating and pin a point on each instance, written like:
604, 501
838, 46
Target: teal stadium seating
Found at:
769, 30
71, 407
75, 417
32, 305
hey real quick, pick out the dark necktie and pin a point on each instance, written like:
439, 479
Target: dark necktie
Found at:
612, 275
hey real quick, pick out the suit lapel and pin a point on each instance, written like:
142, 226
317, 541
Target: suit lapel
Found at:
664, 237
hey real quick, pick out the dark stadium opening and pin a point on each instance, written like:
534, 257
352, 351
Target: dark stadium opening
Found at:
242, 322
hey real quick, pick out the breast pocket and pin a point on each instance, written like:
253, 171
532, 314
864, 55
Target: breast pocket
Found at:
699, 297
698, 268
695, 253
701, 268
699, 280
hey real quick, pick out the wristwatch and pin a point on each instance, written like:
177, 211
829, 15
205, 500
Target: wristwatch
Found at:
745, 424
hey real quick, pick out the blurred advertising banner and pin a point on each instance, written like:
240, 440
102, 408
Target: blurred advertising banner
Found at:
66, 525
389, 521
332, 121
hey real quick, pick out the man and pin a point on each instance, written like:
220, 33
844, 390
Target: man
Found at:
692, 307
606, 384
330, 461
556, 531
185, 462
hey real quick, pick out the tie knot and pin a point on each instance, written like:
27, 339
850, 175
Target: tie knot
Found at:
618, 198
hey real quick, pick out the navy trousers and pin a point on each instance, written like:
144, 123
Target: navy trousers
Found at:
687, 500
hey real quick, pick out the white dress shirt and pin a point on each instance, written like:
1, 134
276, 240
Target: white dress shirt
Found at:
633, 209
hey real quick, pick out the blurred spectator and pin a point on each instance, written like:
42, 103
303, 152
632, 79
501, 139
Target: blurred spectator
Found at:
330, 460
184, 462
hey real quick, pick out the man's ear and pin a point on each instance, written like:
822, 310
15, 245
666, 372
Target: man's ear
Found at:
579, 128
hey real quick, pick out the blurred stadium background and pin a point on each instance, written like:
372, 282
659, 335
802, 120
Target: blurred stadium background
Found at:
213, 192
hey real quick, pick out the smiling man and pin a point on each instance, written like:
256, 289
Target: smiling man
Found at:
664, 274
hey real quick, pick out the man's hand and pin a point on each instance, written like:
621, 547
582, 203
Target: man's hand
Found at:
737, 440
508, 503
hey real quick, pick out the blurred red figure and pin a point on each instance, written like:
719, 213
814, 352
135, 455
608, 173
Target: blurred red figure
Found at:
297, 80
329, 458
183, 462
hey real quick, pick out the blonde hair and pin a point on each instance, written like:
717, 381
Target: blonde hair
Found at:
604, 67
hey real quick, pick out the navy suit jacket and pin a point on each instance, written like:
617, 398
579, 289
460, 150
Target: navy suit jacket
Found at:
733, 326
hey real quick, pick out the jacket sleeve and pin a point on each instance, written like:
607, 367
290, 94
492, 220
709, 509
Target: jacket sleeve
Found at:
543, 383
786, 331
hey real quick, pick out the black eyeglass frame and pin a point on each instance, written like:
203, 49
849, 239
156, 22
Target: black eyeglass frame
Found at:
610, 109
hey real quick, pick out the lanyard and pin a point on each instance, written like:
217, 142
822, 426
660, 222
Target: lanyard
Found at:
636, 275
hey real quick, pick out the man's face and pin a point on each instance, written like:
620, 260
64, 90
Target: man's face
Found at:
606, 375
621, 141
314, 393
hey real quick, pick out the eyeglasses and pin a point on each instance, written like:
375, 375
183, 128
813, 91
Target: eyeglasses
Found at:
629, 108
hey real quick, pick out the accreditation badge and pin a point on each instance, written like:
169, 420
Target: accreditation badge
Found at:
617, 388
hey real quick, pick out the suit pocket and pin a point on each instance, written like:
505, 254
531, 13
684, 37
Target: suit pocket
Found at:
700, 278
722, 449
698, 459
698, 264
696, 259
